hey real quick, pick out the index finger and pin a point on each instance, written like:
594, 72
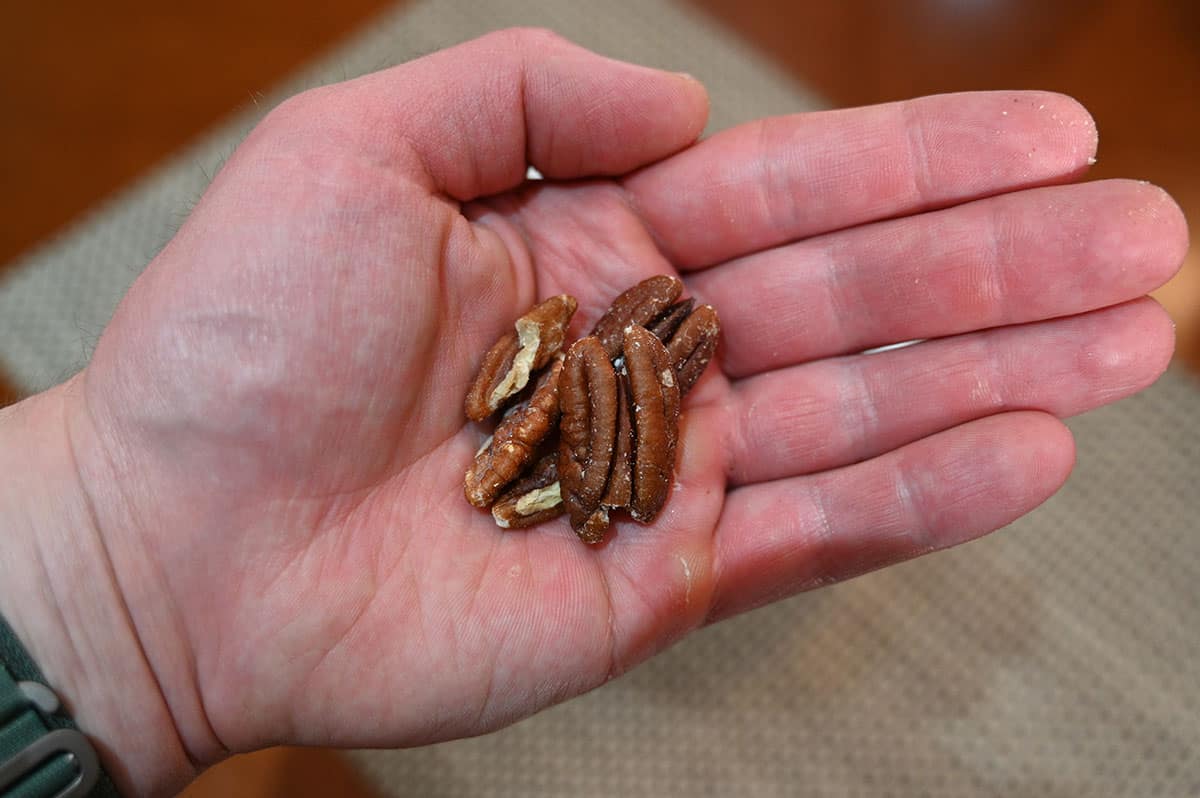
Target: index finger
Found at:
780, 179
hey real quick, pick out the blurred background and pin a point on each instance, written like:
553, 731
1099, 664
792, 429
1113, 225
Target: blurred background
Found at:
94, 95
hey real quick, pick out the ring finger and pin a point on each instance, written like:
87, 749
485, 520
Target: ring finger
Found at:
834, 412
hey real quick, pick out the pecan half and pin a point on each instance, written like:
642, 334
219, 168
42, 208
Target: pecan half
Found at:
620, 480
655, 393
588, 399
666, 323
693, 345
532, 499
515, 441
507, 365
638, 305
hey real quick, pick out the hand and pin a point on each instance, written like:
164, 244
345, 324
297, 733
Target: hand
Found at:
271, 439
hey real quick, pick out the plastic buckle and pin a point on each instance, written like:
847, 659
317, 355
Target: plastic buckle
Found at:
55, 743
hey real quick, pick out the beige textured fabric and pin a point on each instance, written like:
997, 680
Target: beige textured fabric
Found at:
1060, 657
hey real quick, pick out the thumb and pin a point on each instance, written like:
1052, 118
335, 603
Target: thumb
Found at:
477, 115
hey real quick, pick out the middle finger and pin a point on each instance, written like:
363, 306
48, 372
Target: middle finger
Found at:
1011, 259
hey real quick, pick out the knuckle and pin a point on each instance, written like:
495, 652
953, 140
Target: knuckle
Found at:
301, 110
533, 38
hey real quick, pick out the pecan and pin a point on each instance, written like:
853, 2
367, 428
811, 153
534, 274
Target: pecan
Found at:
507, 365
638, 305
620, 479
666, 323
655, 394
532, 499
515, 442
619, 420
693, 344
588, 398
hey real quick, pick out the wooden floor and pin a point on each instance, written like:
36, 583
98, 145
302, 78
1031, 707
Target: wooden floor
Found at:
96, 95
1134, 63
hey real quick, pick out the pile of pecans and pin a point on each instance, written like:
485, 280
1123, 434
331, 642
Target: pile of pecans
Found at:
596, 432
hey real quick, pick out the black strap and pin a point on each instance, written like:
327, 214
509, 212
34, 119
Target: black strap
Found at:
60, 755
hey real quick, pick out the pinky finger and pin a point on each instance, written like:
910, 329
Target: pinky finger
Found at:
779, 538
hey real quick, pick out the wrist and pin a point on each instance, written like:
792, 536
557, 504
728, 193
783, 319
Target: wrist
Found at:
60, 594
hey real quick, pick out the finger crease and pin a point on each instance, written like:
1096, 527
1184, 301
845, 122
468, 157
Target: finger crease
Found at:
918, 152
821, 541
917, 525
859, 398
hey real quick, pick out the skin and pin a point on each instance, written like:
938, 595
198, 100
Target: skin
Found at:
242, 523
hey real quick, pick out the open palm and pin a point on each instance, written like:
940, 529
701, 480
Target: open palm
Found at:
276, 406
